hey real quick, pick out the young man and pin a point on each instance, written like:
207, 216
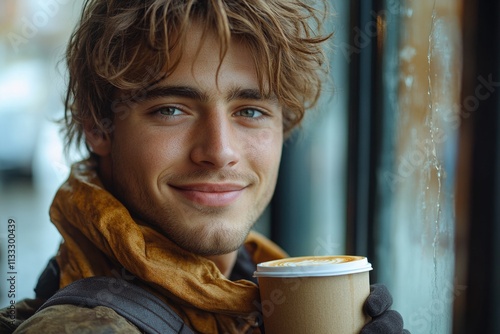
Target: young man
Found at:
183, 106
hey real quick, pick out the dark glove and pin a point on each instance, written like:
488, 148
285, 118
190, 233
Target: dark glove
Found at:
384, 321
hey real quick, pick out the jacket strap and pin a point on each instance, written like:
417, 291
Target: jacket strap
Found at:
146, 311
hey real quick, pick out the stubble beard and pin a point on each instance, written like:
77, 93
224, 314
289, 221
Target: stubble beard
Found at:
212, 236
202, 230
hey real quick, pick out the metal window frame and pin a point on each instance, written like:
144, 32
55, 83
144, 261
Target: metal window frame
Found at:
480, 313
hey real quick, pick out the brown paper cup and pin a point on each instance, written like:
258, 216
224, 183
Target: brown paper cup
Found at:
314, 294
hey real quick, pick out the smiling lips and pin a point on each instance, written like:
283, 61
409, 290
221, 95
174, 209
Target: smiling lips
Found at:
211, 194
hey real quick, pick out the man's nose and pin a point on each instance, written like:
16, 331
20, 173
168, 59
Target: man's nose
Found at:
216, 142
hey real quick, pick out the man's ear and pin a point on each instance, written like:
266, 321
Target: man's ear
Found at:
98, 141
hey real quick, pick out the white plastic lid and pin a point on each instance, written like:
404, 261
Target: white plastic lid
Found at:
310, 266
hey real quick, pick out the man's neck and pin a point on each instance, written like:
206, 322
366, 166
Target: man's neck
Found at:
225, 262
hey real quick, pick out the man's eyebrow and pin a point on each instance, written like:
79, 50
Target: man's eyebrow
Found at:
248, 94
236, 93
168, 91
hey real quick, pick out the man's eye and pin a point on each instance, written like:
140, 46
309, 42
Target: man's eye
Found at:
169, 111
250, 113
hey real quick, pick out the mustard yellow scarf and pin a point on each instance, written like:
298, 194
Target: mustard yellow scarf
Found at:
102, 239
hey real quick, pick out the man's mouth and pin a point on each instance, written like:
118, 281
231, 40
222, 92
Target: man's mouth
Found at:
210, 194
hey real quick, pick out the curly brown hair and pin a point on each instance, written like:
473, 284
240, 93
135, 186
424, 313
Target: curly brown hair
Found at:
123, 47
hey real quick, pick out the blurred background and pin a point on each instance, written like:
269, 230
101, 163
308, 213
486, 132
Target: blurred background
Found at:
33, 34
399, 161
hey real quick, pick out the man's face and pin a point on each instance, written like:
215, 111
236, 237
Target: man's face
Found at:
198, 157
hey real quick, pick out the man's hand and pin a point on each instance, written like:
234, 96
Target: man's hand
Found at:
384, 321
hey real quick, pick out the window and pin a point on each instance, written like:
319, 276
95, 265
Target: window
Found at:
421, 187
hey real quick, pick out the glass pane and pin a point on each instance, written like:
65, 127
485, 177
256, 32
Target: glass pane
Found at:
416, 251
308, 210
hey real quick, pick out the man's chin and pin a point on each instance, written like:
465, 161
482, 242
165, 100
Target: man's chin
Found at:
212, 243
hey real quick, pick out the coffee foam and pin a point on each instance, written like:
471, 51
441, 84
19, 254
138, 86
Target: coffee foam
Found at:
313, 261
328, 265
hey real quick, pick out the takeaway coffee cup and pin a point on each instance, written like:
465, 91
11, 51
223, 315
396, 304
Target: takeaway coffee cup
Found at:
314, 294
